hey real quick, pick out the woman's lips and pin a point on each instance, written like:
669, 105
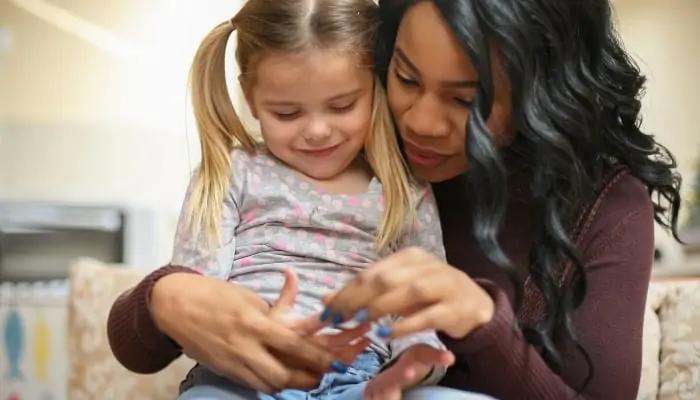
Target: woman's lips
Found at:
424, 158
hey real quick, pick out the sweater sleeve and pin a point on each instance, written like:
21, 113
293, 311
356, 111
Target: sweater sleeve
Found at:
609, 324
134, 338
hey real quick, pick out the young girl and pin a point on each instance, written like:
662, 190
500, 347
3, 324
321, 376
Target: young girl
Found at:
324, 194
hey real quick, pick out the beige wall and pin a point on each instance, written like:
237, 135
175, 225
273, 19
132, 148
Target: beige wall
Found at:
663, 35
102, 122
53, 75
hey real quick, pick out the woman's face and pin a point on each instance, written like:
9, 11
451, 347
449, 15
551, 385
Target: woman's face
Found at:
431, 84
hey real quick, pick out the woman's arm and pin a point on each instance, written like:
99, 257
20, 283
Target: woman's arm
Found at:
134, 338
618, 253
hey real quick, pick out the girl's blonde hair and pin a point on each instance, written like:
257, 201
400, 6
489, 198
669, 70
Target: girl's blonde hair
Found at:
287, 27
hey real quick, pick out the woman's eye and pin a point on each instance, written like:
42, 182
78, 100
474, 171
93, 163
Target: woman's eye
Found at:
463, 102
405, 80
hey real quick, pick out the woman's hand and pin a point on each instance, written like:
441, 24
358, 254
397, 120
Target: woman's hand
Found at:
228, 329
425, 291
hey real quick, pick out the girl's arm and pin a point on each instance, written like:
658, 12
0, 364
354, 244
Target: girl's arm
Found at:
618, 253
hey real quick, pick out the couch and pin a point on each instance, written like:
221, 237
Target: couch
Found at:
671, 367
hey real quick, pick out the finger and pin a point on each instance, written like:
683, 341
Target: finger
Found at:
309, 325
289, 291
378, 386
413, 296
348, 354
401, 301
393, 394
293, 346
266, 367
438, 317
236, 371
395, 271
303, 380
392, 380
370, 392
428, 356
343, 338
240, 373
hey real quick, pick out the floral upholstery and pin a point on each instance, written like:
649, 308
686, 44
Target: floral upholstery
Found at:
679, 359
649, 385
671, 357
95, 373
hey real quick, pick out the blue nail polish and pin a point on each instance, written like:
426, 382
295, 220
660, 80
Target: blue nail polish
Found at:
362, 316
384, 331
339, 367
326, 314
338, 319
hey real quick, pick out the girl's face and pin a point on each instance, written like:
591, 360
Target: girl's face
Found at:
314, 109
430, 86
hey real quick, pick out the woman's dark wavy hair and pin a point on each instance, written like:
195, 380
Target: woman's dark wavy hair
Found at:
576, 109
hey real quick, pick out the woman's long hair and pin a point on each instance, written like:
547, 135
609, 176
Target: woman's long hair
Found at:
576, 106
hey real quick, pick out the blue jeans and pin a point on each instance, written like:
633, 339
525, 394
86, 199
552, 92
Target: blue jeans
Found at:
334, 386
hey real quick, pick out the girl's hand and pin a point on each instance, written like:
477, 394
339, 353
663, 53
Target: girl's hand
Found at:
425, 291
228, 329
414, 365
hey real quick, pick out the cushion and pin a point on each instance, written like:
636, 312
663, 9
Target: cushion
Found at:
679, 316
95, 373
649, 384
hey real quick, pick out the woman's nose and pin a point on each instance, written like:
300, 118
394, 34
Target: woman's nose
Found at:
427, 118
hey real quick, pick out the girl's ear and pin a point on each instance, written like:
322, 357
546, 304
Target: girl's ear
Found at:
247, 89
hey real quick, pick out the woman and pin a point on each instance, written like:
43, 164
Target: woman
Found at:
545, 201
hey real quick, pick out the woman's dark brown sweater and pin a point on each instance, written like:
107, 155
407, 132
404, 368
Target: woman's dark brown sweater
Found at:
617, 245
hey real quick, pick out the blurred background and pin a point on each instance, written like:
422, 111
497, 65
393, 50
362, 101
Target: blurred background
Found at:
93, 103
97, 140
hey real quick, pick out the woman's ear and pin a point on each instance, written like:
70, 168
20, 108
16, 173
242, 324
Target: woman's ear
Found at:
247, 89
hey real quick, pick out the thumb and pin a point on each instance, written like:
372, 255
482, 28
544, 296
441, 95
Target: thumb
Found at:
427, 355
289, 292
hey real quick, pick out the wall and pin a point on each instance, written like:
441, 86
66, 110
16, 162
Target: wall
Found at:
662, 35
93, 101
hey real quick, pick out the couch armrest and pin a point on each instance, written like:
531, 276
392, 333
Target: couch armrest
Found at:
95, 373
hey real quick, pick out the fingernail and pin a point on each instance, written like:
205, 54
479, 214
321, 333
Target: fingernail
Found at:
362, 316
326, 314
384, 331
338, 319
339, 367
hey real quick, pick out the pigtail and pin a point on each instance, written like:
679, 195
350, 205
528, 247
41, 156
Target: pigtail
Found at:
219, 128
386, 161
